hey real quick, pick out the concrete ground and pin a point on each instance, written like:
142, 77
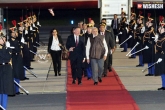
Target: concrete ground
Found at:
50, 94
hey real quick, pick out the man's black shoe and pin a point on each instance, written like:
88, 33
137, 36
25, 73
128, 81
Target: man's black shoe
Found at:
26, 78
88, 78
132, 57
32, 60
18, 93
162, 88
124, 51
59, 74
73, 82
149, 74
95, 83
104, 75
100, 80
139, 65
30, 68
79, 83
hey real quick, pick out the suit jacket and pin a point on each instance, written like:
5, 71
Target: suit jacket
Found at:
112, 23
109, 40
79, 51
110, 29
51, 40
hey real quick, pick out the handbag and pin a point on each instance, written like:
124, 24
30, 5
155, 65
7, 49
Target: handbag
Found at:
65, 53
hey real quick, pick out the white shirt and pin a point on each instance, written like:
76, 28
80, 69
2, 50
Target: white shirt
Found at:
55, 45
102, 33
84, 31
88, 46
76, 38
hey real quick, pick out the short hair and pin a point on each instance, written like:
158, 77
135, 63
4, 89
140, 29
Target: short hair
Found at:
93, 28
115, 15
104, 19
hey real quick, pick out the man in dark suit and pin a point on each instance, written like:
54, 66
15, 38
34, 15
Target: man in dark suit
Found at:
115, 25
111, 45
75, 45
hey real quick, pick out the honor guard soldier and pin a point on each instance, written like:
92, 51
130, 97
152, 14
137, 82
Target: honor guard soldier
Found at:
139, 33
131, 27
148, 43
160, 55
17, 61
37, 24
35, 32
30, 36
6, 76
123, 31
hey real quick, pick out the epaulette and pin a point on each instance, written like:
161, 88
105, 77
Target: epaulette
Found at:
108, 30
81, 34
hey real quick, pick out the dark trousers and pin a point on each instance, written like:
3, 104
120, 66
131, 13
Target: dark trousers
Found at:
115, 31
106, 64
76, 66
56, 57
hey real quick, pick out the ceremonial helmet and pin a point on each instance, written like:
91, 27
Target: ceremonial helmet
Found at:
150, 19
140, 15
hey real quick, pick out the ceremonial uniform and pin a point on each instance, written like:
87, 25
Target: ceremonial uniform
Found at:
139, 33
17, 62
6, 76
131, 41
123, 34
149, 54
160, 56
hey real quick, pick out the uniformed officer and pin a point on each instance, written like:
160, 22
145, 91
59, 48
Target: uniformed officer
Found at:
139, 33
160, 55
123, 31
17, 62
131, 27
6, 76
149, 54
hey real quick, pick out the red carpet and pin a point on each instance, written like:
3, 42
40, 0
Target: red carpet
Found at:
108, 95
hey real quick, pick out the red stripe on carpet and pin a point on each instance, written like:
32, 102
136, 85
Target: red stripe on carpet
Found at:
108, 95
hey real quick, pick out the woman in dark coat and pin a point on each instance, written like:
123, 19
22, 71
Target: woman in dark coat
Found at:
55, 45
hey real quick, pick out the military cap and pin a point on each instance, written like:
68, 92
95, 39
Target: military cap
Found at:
102, 24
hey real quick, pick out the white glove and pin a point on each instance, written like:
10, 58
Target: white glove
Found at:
22, 40
26, 32
143, 29
159, 60
135, 26
130, 36
120, 33
127, 29
38, 23
34, 25
31, 28
156, 38
7, 44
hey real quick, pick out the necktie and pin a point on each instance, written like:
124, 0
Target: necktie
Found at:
76, 41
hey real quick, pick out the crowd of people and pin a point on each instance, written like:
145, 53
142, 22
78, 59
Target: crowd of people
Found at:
17, 49
92, 47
